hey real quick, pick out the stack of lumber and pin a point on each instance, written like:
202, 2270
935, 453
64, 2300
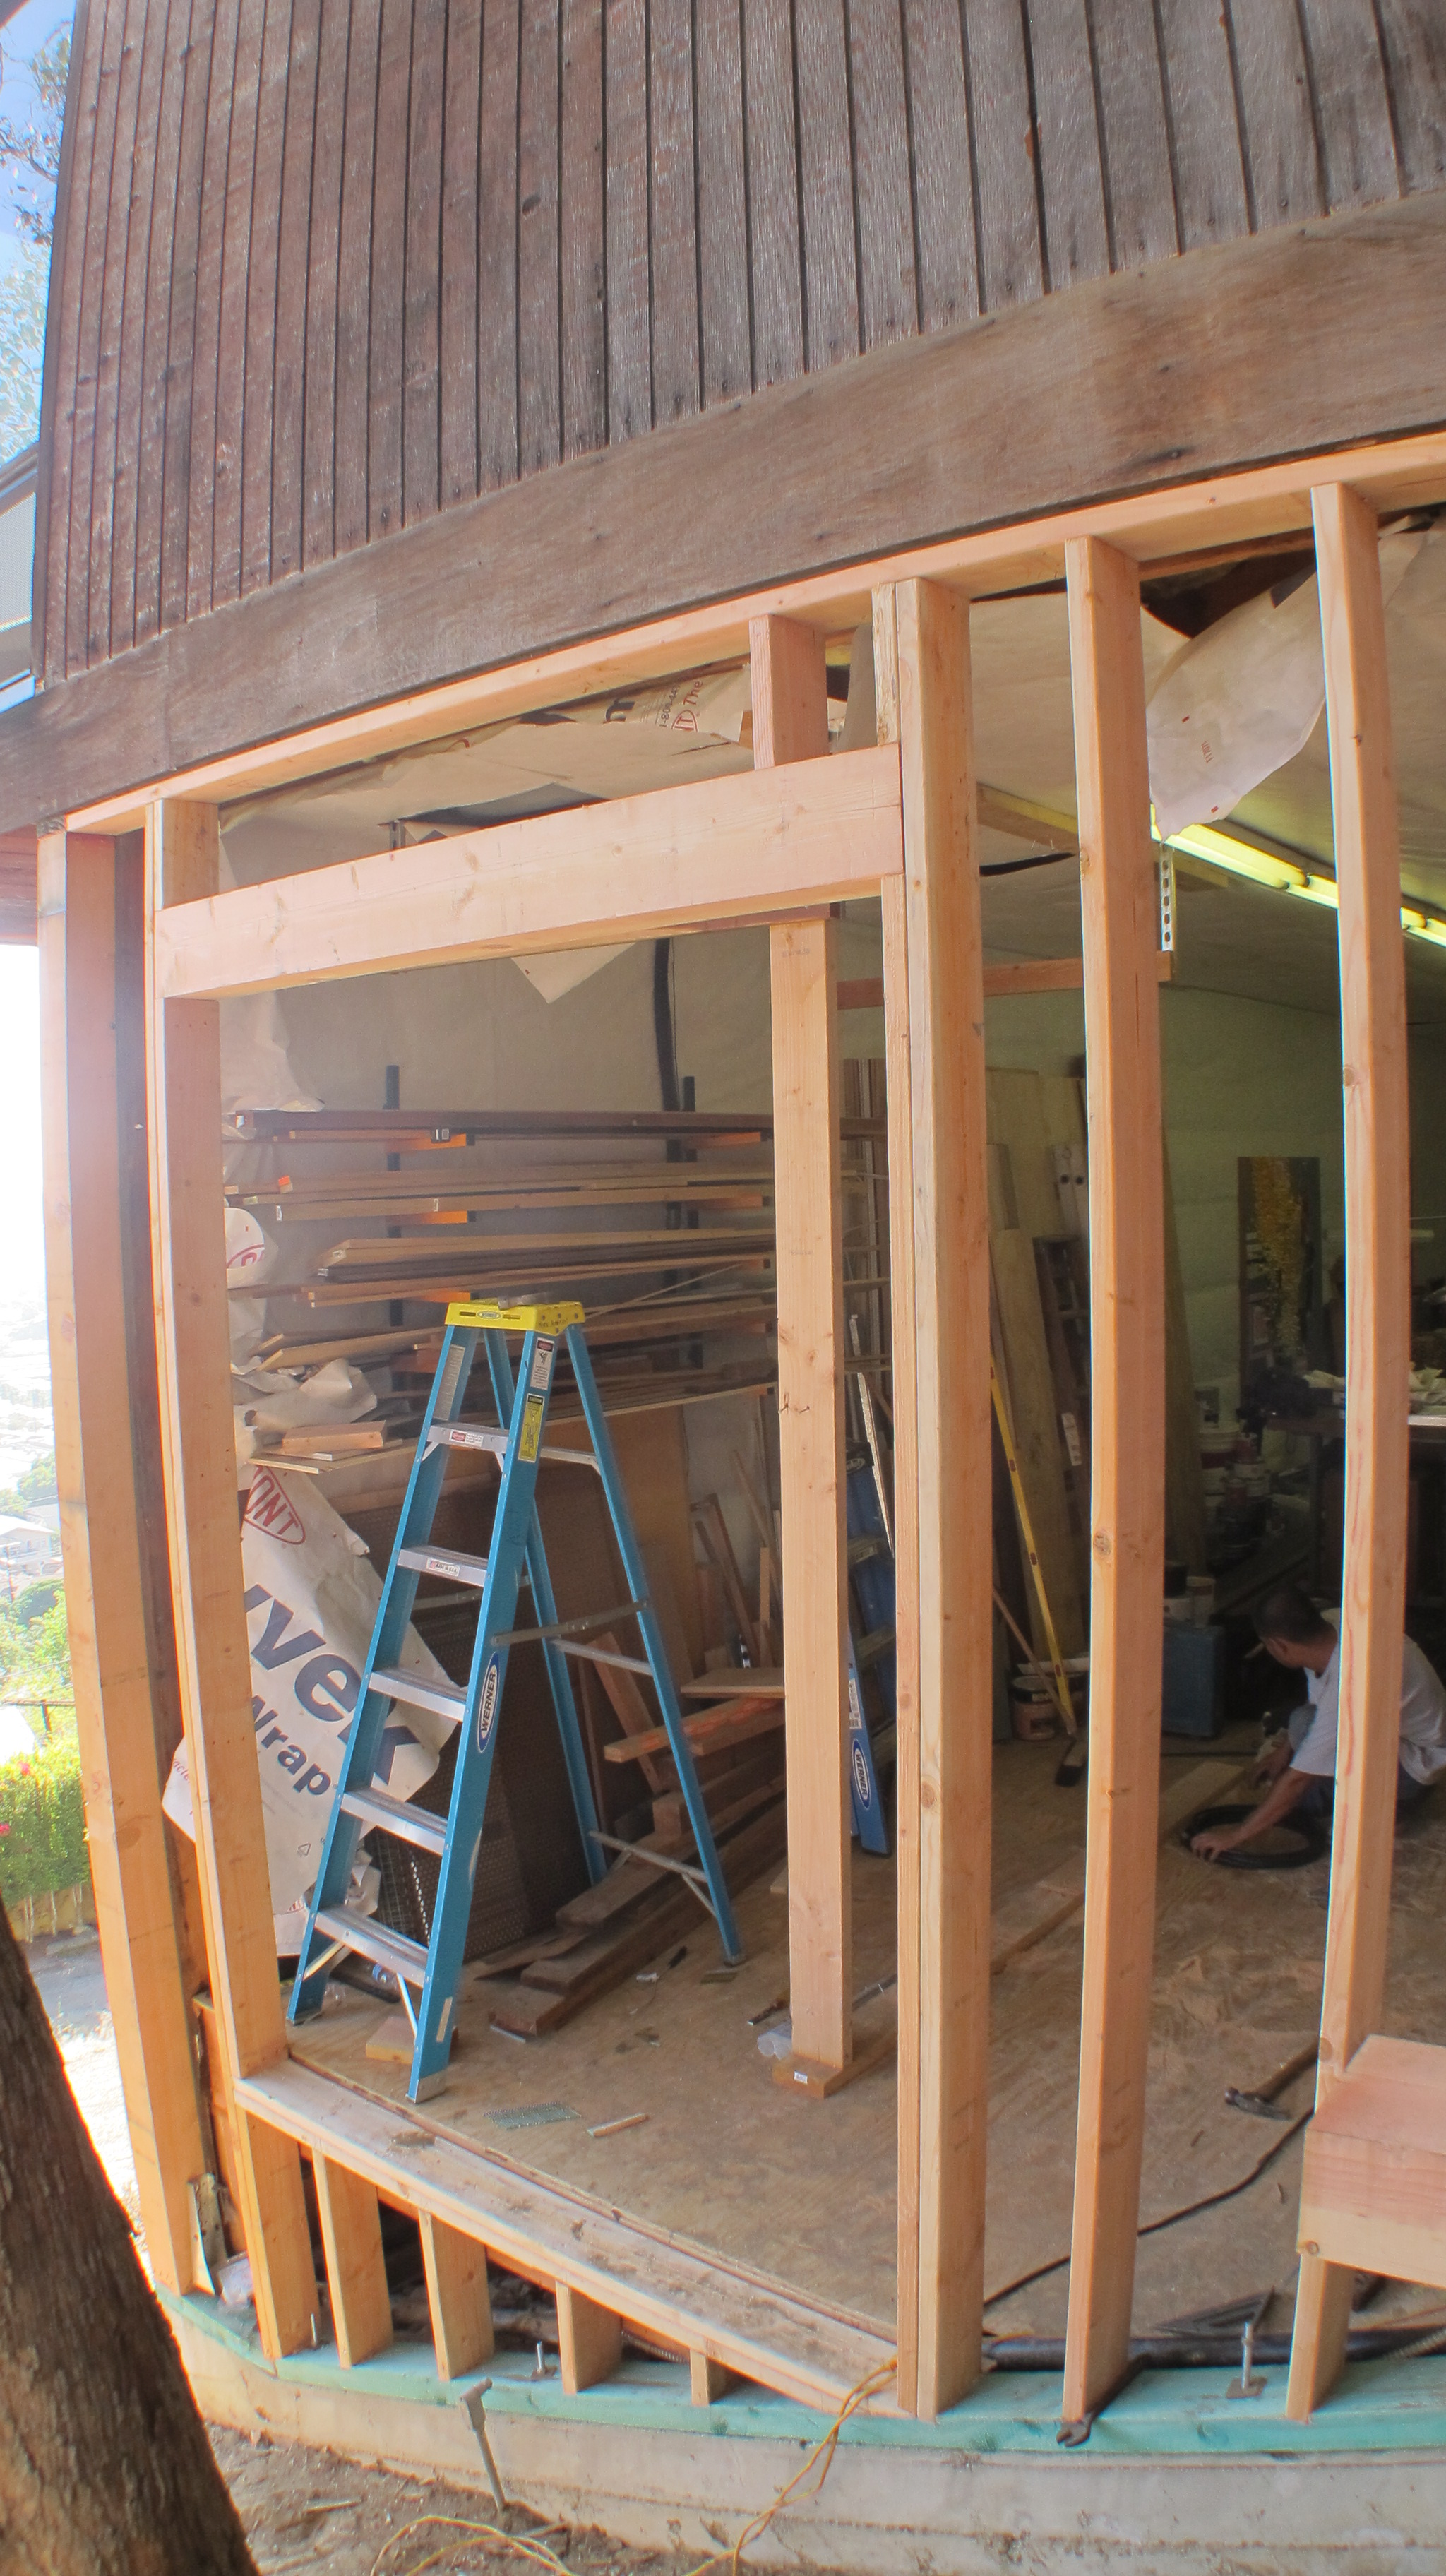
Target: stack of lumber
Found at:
659, 1224
612, 1930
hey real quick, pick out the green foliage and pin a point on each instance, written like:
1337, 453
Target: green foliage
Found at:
22, 347
36, 1599
35, 1652
36, 1485
42, 1822
30, 153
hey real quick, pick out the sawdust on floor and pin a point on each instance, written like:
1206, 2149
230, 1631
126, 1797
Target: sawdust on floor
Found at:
806, 2191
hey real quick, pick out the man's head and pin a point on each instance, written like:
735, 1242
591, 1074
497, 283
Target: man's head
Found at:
1291, 1629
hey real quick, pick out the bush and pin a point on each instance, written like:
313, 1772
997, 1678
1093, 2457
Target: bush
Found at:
36, 1598
35, 1649
42, 1822
36, 1485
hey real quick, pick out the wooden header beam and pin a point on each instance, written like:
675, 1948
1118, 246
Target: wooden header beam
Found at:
682, 858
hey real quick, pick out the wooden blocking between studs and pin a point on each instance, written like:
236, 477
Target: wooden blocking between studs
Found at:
589, 2340
709, 2379
457, 2295
351, 2232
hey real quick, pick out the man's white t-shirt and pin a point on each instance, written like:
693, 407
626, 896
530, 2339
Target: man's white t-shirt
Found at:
1423, 1718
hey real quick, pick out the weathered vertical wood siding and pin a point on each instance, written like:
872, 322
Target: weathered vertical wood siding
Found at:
325, 267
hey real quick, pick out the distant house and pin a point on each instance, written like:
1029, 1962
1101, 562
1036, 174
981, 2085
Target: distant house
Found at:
27, 1550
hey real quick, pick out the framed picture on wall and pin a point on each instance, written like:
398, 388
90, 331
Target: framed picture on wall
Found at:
1281, 1278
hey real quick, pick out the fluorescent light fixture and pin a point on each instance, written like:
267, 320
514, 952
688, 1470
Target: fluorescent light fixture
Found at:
1281, 872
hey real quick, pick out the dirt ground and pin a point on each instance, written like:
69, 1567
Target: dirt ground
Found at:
307, 2509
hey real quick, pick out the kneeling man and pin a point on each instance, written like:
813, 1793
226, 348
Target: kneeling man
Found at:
1302, 1767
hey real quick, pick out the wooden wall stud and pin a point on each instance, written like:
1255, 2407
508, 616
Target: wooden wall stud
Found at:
1127, 1330
790, 723
1378, 1355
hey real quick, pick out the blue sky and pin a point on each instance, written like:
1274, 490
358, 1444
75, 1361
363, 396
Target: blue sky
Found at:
26, 33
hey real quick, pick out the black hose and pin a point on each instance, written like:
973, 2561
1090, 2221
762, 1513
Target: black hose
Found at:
1194, 2352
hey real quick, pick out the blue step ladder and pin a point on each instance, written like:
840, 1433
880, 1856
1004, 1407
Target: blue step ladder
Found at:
871, 1584
516, 1554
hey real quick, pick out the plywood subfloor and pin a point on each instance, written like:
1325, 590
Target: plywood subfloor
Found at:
806, 2190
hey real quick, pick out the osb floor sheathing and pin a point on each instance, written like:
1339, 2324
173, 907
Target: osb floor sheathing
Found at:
806, 2190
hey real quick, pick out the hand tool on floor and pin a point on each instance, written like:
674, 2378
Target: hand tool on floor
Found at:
515, 1555
1263, 2104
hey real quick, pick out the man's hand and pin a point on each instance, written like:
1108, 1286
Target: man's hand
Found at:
1211, 1844
1286, 1793
1274, 1761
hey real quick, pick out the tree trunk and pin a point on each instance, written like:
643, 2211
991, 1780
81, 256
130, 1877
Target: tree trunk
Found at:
105, 2468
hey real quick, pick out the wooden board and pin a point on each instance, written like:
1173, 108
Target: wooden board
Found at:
1373, 2185
1255, 506
1032, 1913
950, 1322
351, 2235
670, 2291
899, 1096
724, 849
199, 1459
1127, 1298
457, 2295
1378, 1350
93, 1390
589, 2340
790, 724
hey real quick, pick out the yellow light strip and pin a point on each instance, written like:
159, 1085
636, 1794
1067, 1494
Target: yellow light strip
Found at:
1281, 875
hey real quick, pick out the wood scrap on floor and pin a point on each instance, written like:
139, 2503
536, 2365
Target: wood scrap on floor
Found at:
1026, 1917
637, 1918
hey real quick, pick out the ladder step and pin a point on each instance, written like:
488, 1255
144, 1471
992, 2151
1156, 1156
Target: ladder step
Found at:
879, 1641
414, 1824
467, 1435
481, 1435
873, 1543
444, 1699
446, 1561
373, 1941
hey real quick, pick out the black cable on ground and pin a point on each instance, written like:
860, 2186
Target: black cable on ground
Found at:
1172, 2217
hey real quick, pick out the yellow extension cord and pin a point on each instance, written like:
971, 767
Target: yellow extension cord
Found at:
538, 2552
